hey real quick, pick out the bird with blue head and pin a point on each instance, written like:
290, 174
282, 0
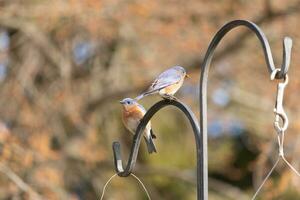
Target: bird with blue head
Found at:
132, 114
166, 85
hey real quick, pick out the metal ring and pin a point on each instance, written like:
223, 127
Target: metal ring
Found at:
274, 73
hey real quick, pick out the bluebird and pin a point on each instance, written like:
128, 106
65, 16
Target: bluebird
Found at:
167, 83
132, 114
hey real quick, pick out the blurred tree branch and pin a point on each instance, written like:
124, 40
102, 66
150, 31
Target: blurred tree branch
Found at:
19, 182
229, 49
232, 47
47, 106
51, 52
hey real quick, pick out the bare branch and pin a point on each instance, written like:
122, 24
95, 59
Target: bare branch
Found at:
19, 182
52, 53
194, 65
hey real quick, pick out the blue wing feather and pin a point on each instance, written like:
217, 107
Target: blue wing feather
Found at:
168, 77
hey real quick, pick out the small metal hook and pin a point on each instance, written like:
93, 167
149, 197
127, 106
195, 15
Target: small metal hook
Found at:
280, 114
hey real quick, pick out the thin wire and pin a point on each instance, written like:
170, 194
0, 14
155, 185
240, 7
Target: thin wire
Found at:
280, 144
113, 176
104, 188
280, 138
269, 174
284, 159
291, 166
145, 189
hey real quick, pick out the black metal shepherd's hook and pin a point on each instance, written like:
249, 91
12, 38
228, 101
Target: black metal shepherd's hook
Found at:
140, 129
201, 134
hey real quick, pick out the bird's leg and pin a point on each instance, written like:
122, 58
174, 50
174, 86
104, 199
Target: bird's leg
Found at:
169, 97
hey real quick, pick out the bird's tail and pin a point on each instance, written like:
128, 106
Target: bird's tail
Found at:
146, 93
150, 144
139, 97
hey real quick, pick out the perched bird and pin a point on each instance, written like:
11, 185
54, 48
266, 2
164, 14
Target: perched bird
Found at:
167, 83
132, 114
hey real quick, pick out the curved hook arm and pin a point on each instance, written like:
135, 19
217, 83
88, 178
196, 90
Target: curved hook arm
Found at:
138, 135
287, 45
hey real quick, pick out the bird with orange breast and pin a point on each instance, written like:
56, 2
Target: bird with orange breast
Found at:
167, 83
132, 114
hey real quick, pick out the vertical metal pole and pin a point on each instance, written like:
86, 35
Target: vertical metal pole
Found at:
287, 45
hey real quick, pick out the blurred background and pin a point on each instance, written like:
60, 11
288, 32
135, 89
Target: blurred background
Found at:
64, 66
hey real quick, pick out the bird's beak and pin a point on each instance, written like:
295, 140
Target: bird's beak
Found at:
187, 76
121, 102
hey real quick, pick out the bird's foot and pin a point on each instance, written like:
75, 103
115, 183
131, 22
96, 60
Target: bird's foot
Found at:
169, 97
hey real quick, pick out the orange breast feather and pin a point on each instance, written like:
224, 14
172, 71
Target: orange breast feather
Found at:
131, 118
172, 89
